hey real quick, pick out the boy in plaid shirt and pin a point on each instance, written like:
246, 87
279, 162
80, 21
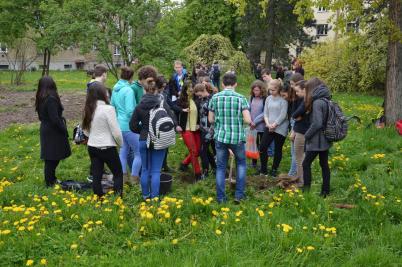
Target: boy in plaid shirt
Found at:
229, 111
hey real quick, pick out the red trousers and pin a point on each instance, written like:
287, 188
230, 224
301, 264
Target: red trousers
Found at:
193, 142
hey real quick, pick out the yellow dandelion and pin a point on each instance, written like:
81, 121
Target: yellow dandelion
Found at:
218, 232
98, 222
175, 241
74, 246
29, 263
43, 261
5, 232
310, 248
299, 250
177, 221
167, 215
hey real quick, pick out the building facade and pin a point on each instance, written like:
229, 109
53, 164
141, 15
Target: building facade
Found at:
68, 59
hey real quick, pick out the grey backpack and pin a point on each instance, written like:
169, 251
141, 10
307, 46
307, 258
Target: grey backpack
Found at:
161, 132
336, 127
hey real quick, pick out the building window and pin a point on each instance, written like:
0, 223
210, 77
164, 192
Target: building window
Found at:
322, 29
3, 67
352, 27
3, 48
68, 66
116, 50
117, 65
322, 9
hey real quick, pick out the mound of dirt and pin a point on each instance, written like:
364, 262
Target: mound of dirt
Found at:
18, 107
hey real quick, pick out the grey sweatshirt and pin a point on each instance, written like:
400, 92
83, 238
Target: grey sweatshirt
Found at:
276, 111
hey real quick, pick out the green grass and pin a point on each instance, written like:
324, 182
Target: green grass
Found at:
65, 80
368, 235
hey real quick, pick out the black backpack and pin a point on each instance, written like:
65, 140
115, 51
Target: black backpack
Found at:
336, 126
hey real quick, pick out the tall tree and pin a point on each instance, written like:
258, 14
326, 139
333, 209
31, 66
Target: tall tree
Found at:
34, 19
270, 26
111, 26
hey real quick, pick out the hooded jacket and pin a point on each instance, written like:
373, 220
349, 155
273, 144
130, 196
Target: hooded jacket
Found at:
124, 102
138, 91
315, 138
140, 120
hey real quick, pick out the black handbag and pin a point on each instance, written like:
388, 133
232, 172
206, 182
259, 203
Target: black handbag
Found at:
79, 136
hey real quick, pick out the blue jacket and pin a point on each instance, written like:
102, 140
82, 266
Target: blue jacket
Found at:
123, 100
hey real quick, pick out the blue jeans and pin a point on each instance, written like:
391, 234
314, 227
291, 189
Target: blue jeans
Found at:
222, 155
130, 153
293, 166
152, 161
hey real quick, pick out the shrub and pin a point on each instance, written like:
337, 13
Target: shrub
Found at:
355, 63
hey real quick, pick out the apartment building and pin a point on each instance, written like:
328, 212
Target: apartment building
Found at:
68, 59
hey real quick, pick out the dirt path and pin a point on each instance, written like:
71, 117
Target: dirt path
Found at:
18, 107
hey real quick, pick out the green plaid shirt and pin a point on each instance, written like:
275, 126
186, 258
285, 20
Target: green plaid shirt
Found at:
228, 108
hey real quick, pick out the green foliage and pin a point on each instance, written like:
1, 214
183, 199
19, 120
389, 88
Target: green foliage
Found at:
208, 48
356, 63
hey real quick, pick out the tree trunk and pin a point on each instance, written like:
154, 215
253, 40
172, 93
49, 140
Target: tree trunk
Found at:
393, 93
270, 34
44, 62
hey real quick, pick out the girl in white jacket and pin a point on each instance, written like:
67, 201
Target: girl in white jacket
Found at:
104, 136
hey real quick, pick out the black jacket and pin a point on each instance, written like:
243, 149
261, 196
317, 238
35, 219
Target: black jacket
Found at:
139, 122
302, 125
53, 130
182, 119
173, 90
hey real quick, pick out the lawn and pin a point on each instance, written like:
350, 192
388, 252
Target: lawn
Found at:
188, 228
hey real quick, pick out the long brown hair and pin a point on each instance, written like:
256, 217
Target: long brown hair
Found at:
184, 99
261, 85
310, 86
46, 87
96, 91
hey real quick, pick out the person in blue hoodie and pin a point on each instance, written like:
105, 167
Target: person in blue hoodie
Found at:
123, 99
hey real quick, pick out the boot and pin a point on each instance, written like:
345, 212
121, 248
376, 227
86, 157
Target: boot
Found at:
274, 173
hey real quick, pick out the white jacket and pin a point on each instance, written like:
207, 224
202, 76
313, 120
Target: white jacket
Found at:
105, 130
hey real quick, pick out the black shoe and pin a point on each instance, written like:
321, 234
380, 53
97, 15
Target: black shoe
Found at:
274, 173
237, 201
197, 177
324, 194
183, 167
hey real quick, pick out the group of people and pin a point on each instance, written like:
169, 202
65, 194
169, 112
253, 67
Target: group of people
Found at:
118, 124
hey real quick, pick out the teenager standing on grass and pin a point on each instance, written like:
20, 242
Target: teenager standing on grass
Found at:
206, 130
152, 159
54, 145
189, 122
145, 74
289, 94
317, 95
99, 75
104, 135
258, 96
300, 127
228, 111
123, 100
276, 127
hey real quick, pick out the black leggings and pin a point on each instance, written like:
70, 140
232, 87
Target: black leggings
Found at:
326, 174
207, 156
267, 139
50, 171
98, 158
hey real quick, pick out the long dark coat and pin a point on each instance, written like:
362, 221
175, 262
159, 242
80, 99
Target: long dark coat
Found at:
53, 130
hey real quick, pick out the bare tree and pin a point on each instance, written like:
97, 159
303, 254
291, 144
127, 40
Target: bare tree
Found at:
21, 58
